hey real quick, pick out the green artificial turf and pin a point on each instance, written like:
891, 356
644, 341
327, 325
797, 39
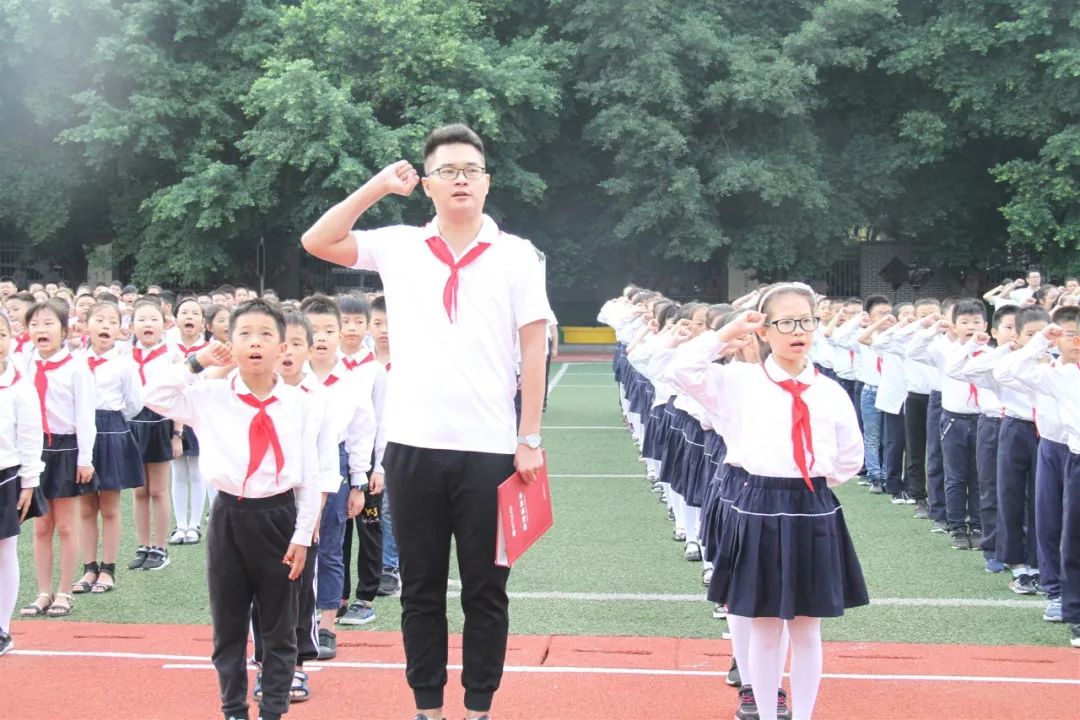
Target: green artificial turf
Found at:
612, 536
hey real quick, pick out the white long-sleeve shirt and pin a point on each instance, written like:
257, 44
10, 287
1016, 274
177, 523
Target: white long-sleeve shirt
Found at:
214, 410
116, 384
930, 347
758, 424
1056, 386
70, 400
21, 440
327, 442
352, 417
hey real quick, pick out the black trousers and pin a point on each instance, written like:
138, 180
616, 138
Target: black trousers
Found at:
958, 434
307, 618
1018, 453
368, 526
245, 542
892, 451
986, 454
436, 495
915, 409
1070, 542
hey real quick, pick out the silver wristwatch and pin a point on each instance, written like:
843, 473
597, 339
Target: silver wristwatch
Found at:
533, 442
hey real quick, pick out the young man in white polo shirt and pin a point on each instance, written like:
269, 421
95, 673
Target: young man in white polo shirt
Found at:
460, 294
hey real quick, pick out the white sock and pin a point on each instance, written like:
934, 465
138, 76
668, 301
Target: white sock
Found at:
806, 662
689, 521
181, 492
766, 664
198, 491
739, 628
9, 580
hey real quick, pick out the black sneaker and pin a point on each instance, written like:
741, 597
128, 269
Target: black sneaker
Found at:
140, 558
747, 706
939, 526
156, 559
922, 510
1022, 585
1074, 631
1035, 581
961, 540
783, 710
327, 644
390, 582
6, 643
734, 679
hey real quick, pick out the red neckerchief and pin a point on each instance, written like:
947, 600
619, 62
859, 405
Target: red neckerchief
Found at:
21, 341
973, 392
262, 435
137, 354
95, 362
440, 250
879, 363
41, 384
802, 439
330, 380
186, 350
351, 364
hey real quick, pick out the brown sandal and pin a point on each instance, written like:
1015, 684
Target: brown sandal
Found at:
81, 587
34, 609
61, 610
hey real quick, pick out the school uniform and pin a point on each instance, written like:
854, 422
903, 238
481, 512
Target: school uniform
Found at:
66, 396
790, 551
1023, 369
351, 425
261, 456
959, 423
891, 395
152, 432
189, 441
117, 461
451, 433
21, 446
844, 363
868, 367
918, 383
984, 389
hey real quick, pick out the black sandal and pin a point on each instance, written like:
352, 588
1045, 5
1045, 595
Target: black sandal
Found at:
82, 586
299, 692
100, 587
257, 693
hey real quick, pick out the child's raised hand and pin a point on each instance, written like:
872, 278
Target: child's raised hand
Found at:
1028, 302
944, 325
741, 326
295, 558
928, 321
981, 338
679, 335
400, 178
864, 319
215, 354
1053, 332
654, 326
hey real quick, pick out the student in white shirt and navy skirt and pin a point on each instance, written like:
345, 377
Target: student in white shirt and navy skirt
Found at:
258, 443
65, 391
791, 559
20, 460
460, 295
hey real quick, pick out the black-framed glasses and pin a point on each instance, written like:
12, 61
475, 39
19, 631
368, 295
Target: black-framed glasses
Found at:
786, 326
448, 172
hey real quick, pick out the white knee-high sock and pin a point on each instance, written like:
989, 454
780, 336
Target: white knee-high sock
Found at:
739, 627
198, 491
9, 580
652, 467
766, 663
806, 664
689, 522
181, 492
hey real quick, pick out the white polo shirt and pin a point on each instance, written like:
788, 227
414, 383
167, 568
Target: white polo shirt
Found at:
453, 383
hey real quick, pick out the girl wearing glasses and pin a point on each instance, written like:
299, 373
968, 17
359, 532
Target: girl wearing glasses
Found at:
790, 435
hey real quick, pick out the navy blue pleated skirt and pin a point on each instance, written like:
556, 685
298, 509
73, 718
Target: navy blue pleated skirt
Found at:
717, 502
663, 429
61, 458
190, 442
10, 488
692, 456
117, 461
701, 474
655, 426
639, 394
153, 435
671, 464
619, 363
785, 552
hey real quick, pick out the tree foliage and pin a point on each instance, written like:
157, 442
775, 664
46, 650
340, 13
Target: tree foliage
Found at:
772, 133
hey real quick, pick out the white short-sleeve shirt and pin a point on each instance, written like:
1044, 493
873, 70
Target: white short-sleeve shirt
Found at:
453, 383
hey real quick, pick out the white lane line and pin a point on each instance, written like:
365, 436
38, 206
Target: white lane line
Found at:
558, 376
639, 475
609, 386
692, 598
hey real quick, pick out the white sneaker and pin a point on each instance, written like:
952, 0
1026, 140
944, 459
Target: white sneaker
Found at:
192, 536
179, 537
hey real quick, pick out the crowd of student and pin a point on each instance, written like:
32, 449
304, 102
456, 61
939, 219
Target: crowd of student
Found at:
86, 413
746, 413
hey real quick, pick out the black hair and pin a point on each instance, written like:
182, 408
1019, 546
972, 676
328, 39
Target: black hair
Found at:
687, 310
716, 312
109, 298
226, 290
668, 310
379, 304
902, 304
147, 302
4, 318
630, 290
1066, 313
968, 306
23, 296
209, 314
781, 289
58, 307
874, 300
6, 278
295, 318
189, 298
1001, 313
80, 296
452, 135
350, 304
258, 306
927, 301
319, 304
1030, 315
1067, 280
948, 302
853, 301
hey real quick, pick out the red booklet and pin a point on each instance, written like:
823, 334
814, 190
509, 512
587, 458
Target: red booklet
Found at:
524, 515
